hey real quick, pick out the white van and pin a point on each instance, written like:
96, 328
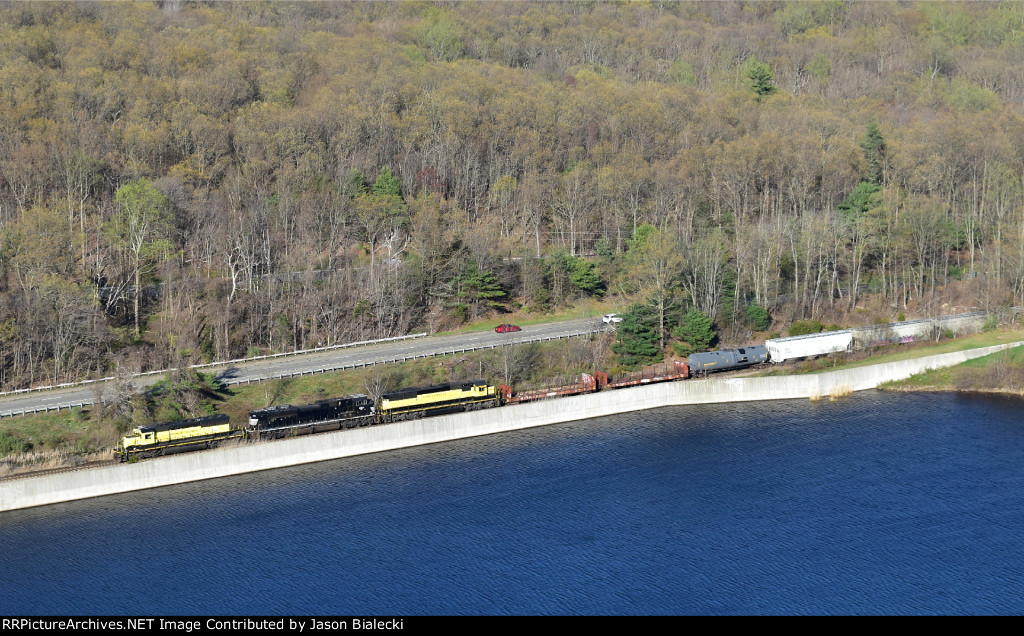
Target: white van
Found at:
611, 319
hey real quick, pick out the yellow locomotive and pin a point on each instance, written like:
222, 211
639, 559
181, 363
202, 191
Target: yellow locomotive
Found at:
436, 400
156, 439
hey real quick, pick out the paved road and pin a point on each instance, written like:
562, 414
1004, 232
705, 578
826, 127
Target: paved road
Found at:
353, 357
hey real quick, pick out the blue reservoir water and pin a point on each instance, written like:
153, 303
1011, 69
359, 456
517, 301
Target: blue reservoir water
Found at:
874, 504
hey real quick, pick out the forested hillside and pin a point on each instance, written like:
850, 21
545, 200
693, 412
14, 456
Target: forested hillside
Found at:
189, 181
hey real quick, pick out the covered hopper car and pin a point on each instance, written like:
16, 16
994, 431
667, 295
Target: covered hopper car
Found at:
814, 344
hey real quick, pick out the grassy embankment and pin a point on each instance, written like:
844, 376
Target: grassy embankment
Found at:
1000, 372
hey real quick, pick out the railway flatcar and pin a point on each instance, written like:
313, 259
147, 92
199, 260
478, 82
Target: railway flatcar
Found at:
437, 399
324, 415
726, 359
588, 384
191, 434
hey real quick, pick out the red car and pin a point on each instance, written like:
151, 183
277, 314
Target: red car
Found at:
506, 328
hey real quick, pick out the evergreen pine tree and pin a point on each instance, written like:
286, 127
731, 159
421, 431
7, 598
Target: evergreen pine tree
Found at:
636, 338
874, 150
696, 331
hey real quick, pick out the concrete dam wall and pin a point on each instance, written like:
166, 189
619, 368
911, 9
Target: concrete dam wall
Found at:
176, 469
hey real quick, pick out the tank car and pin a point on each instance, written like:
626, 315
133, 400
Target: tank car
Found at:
726, 359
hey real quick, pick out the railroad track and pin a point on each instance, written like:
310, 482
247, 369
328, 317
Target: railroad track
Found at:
53, 471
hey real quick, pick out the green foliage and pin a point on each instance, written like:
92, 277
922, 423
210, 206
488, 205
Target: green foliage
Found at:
144, 220
682, 72
696, 331
796, 18
804, 327
760, 76
183, 395
584, 275
581, 273
874, 150
439, 34
355, 185
387, 184
820, 67
950, 22
479, 287
865, 196
536, 278
727, 295
991, 323
964, 95
12, 444
757, 317
636, 338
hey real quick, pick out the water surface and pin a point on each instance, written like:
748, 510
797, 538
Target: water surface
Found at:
876, 504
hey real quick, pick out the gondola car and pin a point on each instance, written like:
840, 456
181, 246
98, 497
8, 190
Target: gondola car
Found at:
437, 400
190, 434
324, 415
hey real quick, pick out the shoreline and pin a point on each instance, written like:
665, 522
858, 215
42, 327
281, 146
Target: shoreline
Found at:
932, 389
72, 485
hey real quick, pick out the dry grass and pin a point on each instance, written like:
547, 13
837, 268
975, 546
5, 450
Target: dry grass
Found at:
46, 460
838, 392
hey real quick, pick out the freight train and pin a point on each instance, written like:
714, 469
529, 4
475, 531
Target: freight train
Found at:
354, 411
350, 411
360, 410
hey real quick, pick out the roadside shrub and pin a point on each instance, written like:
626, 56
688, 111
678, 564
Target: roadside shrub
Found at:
804, 327
757, 317
11, 444
696, 330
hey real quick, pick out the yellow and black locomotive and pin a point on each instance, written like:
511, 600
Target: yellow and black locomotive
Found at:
191, 434
438, 399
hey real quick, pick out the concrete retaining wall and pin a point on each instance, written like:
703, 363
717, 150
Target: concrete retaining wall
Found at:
81, 484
